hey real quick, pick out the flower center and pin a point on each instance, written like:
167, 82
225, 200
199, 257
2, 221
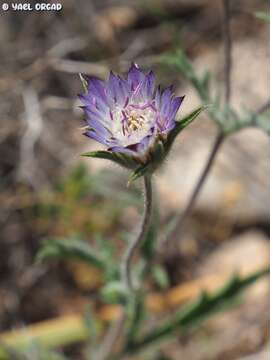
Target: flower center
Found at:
133, 122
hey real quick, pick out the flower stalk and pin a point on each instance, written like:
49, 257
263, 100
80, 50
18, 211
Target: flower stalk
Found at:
137, 242
117, 328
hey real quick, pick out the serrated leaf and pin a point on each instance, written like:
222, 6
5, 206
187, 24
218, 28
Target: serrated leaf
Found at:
71, 249
206, 305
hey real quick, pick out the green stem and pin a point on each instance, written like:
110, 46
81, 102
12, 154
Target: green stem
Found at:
137, 242
114, 333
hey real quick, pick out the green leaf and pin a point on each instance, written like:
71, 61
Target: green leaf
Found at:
138, 314
189, 118
180, 125
263, 122
206, 80
161, 277
263, 16
70, 248
115, 292
119, 158
92, 323
181, 62
205, 306
137, 173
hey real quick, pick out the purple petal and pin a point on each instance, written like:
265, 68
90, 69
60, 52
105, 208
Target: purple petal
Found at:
135, 76
118, 89
105, 101
122, 149
158, 98
144, 144
93, 135
113, 84
165, 101
149, 85
175, 104
99, 128
97, 88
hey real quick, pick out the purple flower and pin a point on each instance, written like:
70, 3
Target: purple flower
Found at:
131, 117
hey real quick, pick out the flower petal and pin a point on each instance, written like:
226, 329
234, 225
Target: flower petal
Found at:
135, 76
93, 135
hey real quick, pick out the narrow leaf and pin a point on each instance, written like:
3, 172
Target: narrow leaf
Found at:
180, 125
205, 306
101, 154
136, 174
161, 277
115, 157
71, 249
138, 315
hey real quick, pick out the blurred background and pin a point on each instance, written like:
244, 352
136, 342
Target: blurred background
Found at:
48, 191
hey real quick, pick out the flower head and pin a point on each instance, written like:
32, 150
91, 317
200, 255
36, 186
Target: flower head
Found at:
127, 115
131, 117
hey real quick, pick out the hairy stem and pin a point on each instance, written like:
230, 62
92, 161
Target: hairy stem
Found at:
136, 243
115, 331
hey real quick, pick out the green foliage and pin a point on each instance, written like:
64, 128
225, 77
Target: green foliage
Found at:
181, 124
205, 306
137, 315
76, 204
160, 276
118, 158
181, 62
76, 184
137, 173
92, 324
72, 248
75, 248
44, 354
33, 351
261, 121
162, 147
115, 292
263, 16
224, 116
